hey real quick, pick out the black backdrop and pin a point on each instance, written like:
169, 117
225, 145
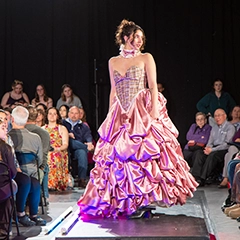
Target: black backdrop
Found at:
56, 41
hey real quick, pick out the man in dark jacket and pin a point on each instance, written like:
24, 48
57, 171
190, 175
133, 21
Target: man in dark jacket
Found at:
80, 142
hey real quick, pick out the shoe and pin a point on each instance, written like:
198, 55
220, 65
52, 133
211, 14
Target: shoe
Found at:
82, 183
235, 213
228, 209
39, 221
224, 183
209, 180
26, 221
144, 212
222, 186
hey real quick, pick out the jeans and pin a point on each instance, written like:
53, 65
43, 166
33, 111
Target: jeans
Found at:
231, 170
28, 188
80, 151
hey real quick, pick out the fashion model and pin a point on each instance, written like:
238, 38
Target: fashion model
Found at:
138, 160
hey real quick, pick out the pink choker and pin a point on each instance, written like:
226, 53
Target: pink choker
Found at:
128, 53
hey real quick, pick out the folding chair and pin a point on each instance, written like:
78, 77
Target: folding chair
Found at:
5, 173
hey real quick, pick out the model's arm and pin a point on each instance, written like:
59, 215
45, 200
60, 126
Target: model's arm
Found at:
113, 89
150, 67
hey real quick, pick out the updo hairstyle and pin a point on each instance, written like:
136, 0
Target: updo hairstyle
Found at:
126, 28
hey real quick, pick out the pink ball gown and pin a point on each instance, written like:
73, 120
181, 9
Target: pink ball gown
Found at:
138, 160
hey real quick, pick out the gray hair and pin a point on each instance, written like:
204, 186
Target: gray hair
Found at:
20, 115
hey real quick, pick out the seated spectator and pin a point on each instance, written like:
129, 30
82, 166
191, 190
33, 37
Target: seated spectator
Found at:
42, 107
80, 142
16, 96
45, 140
68, 97
235, 117
63, 110
232, 150
209, 162
6, 156
28, 184
8, 112
233, 211
160, 87
214, 100
197, 136
41, 117
42, 97
58, 157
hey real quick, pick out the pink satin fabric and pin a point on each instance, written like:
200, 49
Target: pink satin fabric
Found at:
138, 161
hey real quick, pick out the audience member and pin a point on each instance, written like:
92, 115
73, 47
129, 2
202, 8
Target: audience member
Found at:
232, 150
8, 112
83, 116
63, 110
235, 117
68, 97
80, 142
6, 156
41, 106
160, 87
197, 137
45, 139
41, 117
58, 158
42, 97
16, 96
216, 99
28, 184
209, 162
233, 211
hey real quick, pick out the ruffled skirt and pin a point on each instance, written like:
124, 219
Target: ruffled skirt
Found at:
138, 161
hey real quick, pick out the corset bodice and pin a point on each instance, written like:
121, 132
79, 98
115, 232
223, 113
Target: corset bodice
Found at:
129, 85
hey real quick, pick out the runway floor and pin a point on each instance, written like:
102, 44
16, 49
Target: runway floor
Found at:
200, 218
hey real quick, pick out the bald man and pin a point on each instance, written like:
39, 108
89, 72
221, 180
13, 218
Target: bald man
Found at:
208, 163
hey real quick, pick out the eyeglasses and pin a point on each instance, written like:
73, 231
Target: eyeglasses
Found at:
200, 119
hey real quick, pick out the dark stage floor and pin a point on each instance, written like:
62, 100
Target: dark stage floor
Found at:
190, 221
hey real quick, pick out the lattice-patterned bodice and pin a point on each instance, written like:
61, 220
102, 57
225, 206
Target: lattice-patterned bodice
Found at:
129, 85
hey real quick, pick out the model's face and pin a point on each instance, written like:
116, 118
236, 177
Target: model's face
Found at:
67, 92
74, 114
63, 112
220, 117
138, 40
52, 115
236, 112
218, 86
40, 90
18, 89
201, 121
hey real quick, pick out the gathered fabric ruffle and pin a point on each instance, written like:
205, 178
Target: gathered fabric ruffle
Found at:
138, 161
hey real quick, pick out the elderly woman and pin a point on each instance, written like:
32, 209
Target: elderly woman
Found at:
197, 137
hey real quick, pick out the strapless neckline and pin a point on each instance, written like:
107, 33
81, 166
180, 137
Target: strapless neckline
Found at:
136, 67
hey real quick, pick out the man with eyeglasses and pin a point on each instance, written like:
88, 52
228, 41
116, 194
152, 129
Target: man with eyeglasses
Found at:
208, 163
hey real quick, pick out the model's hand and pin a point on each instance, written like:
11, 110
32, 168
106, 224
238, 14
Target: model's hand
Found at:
154, 114
237, 140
